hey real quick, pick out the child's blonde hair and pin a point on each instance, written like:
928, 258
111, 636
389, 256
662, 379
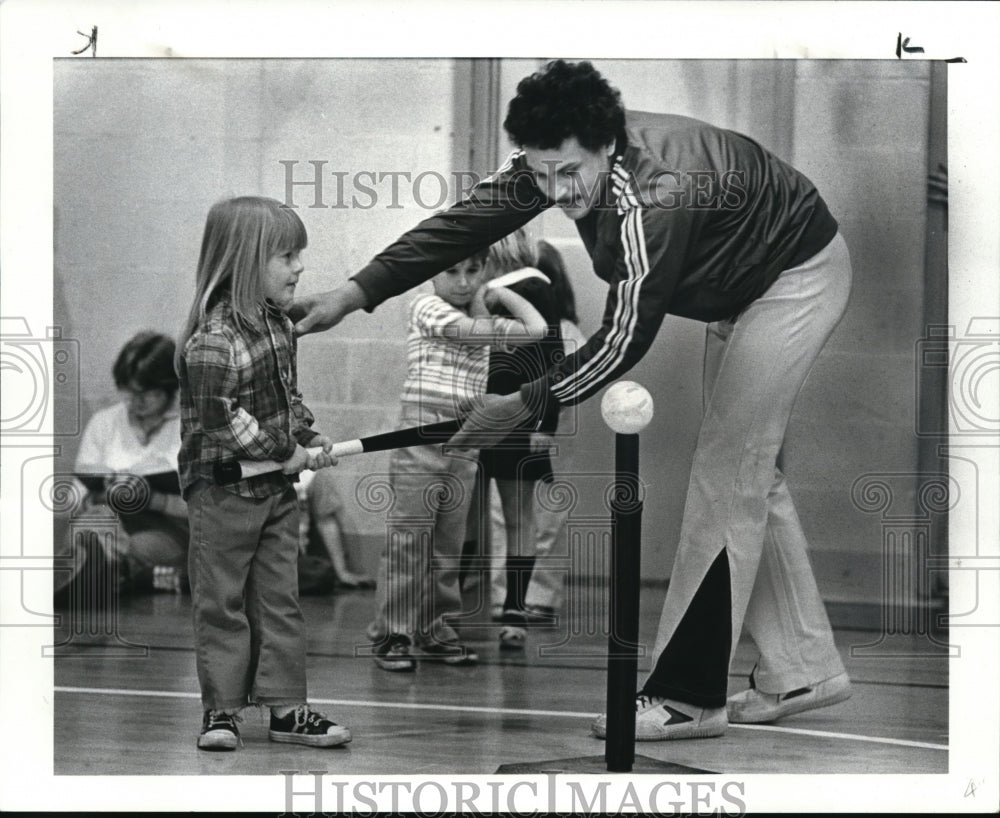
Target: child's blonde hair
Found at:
241, 236
510, 253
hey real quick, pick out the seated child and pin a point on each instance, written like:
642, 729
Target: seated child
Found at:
323, 562
129, 450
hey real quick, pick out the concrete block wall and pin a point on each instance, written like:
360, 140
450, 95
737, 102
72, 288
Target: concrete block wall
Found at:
860, 132
144, 147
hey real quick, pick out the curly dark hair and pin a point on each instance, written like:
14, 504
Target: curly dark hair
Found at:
565, 99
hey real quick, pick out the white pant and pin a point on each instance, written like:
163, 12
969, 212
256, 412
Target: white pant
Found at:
738, 501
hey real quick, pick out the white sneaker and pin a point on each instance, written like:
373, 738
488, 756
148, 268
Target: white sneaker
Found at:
512, 637
513, 634
754, 707
661, 719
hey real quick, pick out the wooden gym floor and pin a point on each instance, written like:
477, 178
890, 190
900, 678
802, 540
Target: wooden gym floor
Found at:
126, 702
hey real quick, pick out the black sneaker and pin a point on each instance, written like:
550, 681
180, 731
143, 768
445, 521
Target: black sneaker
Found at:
540, 616
451, 653
305, 726
394, 654
219, 731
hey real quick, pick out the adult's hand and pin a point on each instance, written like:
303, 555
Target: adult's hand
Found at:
315, 313
495, 417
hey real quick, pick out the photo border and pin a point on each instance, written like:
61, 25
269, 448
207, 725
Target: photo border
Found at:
33, 34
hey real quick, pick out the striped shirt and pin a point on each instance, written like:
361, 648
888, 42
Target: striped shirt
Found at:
239, 399
442, 374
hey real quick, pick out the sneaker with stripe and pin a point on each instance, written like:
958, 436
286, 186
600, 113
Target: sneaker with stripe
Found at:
661, 719
450, 653
219, 731
393, 654
513, 634
306, 726
753, 706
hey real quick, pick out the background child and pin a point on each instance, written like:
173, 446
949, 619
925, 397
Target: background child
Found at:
122, 443
544, 594
520, 460
239, 398
450, 332
323, 543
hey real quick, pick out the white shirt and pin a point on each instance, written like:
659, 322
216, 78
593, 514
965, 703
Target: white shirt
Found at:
111, 444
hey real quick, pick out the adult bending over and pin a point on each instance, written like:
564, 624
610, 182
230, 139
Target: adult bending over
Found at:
683, 218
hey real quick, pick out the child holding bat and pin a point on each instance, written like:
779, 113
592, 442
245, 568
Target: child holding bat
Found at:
239, 398
448, 346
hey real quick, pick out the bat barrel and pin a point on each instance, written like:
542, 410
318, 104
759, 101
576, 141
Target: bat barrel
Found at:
415, 436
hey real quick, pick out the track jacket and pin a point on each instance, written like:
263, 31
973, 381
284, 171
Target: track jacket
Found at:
691, 220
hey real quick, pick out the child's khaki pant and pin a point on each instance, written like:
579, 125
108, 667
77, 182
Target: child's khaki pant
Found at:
418, 579
249, 631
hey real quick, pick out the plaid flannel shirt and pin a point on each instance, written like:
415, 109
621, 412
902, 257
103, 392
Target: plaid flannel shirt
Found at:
239, 399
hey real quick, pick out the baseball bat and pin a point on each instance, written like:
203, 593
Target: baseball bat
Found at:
232, 471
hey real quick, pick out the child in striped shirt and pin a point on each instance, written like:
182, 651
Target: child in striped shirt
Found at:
450, 332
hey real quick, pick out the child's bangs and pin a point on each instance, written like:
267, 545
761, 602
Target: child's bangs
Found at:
286, 231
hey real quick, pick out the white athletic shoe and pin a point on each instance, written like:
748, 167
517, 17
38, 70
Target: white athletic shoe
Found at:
754, 707
660, 719
513, 634
512, 637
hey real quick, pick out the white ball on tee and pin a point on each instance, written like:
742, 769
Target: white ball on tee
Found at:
627, 407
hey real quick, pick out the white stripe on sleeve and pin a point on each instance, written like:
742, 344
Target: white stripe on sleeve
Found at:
612, 352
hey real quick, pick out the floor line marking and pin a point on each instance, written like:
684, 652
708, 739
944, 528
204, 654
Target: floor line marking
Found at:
168, 694
902, 742
342, 702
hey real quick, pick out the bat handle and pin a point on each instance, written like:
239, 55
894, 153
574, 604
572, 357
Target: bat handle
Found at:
343, 448
232, 471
